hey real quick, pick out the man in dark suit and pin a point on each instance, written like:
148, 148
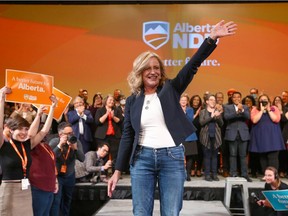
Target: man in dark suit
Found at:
237, 134
81, 120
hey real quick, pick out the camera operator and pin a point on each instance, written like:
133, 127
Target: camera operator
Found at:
95, 167
266, 137
67, 149
273, 182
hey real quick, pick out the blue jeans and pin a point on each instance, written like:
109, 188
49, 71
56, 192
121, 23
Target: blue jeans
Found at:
62, 200
238, 147
164, 166
41, 201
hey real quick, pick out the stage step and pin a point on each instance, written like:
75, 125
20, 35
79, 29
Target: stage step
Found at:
190, 208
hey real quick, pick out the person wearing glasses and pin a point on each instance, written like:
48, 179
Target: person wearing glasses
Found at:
67, 149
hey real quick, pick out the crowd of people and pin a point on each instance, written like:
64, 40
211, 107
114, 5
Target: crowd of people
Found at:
258, 126
158, 124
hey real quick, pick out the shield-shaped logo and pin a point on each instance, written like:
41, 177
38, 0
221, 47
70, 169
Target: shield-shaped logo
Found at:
156, 33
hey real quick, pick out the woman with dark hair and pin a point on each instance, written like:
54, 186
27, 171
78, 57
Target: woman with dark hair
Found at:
266, 137
196, 105
96, 104
253, 158
272, 182
210, 136
108, 122
249, 101
15, 159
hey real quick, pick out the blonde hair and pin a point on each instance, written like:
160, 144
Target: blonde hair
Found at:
140, 63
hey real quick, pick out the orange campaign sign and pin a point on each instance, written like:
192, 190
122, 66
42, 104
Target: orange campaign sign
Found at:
63, 102
29, 87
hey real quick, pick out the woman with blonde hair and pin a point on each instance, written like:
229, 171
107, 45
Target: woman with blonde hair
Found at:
190, 143
155, 127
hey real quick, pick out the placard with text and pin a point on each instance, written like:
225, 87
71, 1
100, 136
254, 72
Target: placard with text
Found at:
278, 199
29, 87
63, 102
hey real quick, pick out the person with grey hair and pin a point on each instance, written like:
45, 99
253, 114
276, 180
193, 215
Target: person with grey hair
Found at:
155, 127
81, 121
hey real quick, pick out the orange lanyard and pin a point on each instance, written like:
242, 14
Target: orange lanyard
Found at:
67, 153
50, 152
24, 160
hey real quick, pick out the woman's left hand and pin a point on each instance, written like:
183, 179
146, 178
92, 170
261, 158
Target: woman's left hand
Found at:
223, 29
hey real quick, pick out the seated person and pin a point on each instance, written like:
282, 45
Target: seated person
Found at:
273, 182
94, 167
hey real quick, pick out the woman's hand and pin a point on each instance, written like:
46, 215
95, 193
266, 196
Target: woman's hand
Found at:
41, 109
5, 90
112, 182
223, 29
54, 100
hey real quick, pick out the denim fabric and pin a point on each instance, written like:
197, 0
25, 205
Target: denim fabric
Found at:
62, 200
164, 166
238, 147
41, 201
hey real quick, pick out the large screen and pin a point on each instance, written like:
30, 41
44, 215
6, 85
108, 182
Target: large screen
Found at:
93, 46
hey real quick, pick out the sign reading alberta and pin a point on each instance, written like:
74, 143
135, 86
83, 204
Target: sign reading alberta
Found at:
278, 199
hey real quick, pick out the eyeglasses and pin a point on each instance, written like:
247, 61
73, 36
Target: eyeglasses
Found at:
67, 133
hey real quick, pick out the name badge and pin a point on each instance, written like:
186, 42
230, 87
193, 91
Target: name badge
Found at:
63, 168
25, 183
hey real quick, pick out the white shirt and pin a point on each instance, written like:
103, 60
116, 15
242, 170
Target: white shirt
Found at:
153, 131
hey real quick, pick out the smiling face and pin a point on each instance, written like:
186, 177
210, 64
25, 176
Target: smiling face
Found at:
196, 102
269, 176
20, 134
236, 98
151, 74
110, 102
183, 101
211, 101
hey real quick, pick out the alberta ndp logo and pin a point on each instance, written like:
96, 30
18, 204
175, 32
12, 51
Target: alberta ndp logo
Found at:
183, 36
156, 33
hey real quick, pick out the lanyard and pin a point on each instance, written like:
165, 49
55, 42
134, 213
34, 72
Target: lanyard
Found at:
24, 160
67, 153
50, 152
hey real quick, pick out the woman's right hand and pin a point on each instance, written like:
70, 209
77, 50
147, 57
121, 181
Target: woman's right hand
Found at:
112, 182
5, 90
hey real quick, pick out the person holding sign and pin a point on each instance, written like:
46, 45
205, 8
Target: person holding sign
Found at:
273, 182
155, 127
15, 159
